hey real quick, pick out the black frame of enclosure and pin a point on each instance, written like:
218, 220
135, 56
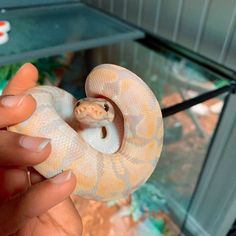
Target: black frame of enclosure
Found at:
155, 43
194, 101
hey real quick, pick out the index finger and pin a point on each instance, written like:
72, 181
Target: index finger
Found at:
25, 78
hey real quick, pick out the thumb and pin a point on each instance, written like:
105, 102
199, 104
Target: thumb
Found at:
25, 78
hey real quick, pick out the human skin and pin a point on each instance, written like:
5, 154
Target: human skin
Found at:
43, 207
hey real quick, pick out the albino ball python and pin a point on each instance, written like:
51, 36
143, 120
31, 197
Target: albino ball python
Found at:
111, 140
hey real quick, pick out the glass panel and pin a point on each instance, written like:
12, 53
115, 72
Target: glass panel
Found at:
51, 30
172, 78
187, 138
160, 206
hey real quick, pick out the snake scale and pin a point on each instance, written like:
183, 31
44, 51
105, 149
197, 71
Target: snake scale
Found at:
124, 149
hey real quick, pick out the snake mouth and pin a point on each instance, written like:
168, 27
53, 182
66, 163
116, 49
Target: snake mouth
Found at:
89, 121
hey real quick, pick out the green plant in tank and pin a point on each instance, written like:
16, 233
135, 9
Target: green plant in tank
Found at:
46, 66
220, 83
6, 72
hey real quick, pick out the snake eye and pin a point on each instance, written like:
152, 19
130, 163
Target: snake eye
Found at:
106, 107
77, 104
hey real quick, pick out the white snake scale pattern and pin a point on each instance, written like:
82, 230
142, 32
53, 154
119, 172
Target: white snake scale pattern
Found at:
100, 176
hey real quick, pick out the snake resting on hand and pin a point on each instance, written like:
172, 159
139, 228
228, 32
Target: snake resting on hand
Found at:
111, 140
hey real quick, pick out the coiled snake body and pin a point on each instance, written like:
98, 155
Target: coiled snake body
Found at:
111, 140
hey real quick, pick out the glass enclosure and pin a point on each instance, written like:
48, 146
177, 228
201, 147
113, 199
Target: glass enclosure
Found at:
160, 206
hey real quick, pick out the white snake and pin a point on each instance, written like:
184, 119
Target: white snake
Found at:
111, 140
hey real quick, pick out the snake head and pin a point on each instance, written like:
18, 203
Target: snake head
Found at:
94, 112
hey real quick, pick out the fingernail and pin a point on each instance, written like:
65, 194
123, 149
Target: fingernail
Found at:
61, 178
12, 101
33, 144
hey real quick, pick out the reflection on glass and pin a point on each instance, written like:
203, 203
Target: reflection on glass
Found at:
172, 78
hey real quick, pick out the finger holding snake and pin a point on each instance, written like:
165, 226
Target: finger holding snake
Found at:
19, 202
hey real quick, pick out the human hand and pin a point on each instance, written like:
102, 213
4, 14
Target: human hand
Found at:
30, 205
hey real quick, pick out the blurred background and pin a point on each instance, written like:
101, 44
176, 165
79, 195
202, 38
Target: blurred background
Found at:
186, 52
